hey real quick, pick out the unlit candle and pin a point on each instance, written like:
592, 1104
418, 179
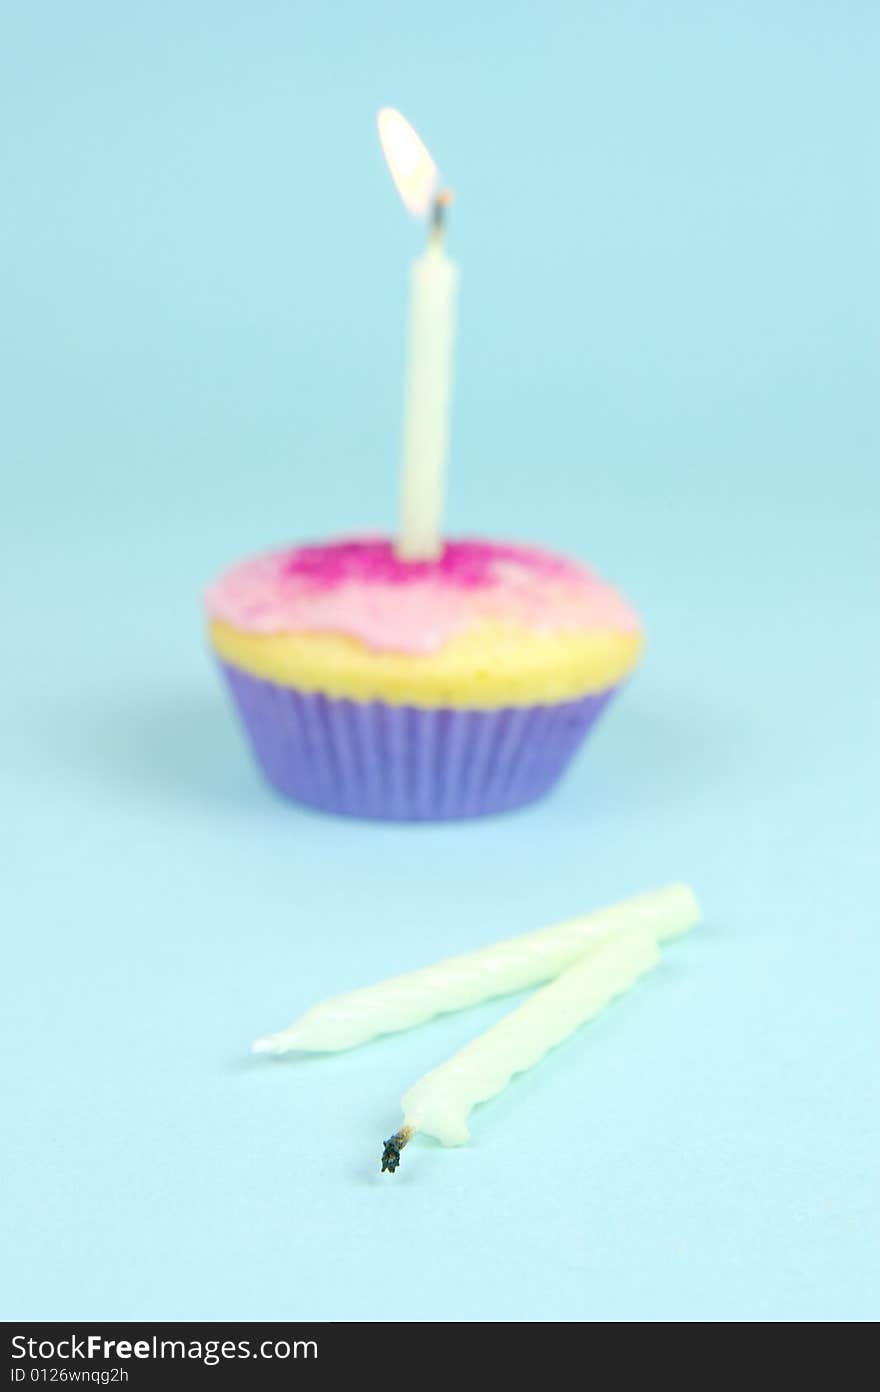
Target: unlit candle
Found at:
342, 1022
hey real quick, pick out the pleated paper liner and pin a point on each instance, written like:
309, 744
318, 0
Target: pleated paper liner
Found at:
404, 763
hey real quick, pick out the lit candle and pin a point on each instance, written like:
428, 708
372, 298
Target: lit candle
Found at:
342, 1022
439, 1103
433, 284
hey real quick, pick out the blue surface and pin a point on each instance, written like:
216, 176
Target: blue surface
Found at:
667, 223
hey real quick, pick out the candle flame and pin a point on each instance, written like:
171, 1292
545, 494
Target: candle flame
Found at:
412, 168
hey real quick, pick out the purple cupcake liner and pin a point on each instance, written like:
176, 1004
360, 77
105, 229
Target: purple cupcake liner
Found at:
406, 763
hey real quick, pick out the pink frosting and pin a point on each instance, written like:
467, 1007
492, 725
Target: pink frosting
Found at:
359, 587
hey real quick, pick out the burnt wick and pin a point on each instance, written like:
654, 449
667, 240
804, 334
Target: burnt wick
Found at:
392, 1148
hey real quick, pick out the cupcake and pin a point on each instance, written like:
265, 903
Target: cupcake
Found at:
379, 687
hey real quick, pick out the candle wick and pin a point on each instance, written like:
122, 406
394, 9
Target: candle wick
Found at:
393, 1146
444, 199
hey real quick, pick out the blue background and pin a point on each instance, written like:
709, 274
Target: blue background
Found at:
667, 225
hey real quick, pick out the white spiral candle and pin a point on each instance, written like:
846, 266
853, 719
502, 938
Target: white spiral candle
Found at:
433, 289
342, 1022
439, 1103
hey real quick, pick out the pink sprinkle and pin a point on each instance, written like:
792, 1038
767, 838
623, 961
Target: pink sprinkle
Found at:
466, 565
